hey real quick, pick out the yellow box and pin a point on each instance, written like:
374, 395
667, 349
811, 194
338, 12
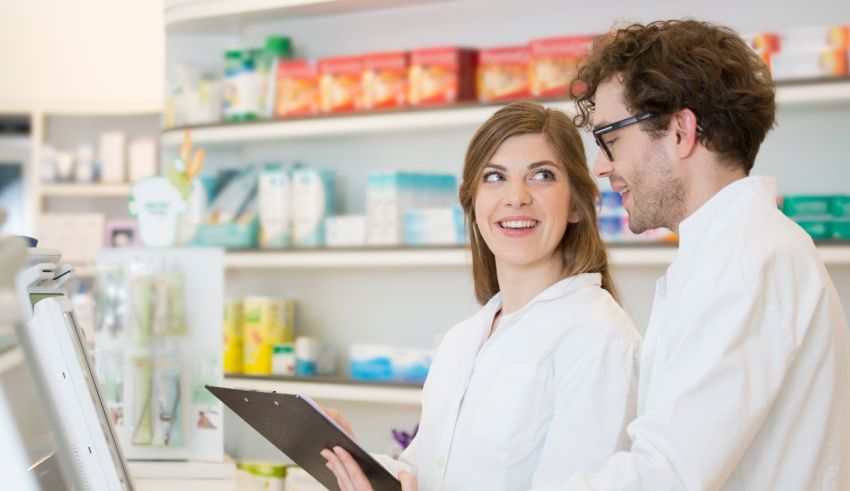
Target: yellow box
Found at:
266, 322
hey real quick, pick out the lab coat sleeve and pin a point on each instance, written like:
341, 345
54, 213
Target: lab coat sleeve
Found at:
593, 403
715, 380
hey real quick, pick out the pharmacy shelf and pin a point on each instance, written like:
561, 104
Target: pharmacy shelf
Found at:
833, 254
11, 358
86, 190
390, 121
397, 121
357, 258
334, 389
217, 16
808, 93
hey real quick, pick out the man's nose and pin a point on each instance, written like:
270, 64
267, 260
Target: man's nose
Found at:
602, 167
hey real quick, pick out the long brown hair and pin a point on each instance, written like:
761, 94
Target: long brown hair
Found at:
581, 248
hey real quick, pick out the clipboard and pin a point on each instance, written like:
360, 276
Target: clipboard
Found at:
295, 425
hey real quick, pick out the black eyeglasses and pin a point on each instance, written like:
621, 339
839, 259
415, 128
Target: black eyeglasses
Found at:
598, 133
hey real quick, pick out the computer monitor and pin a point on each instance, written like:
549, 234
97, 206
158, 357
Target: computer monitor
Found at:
55, 350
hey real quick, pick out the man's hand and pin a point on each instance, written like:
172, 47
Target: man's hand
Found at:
350, 477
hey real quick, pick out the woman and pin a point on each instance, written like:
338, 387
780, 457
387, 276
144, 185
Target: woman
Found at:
540, 383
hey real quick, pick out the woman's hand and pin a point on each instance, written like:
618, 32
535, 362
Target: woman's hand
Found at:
350, 477
337, 416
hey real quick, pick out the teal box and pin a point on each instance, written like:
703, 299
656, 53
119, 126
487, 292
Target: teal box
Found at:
841, 229
799, 205
840, 206
817, 229
232, 235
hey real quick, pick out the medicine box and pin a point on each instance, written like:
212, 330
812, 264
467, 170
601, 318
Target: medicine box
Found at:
443, 75
385, 80
503, 74
553, 62
297, 89
340, 88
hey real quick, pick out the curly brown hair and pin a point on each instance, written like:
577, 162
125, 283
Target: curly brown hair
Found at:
667, 66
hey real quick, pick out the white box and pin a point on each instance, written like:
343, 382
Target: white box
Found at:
78, 235
112, 156
142, 158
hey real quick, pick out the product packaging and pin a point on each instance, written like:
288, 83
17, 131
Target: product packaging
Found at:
277, 49
441, 75
275, 207
234, 339
553, 62
112, 157
340, 88
297, 89
314, 195
345, 231
267, 322
385, 80
503, 74
142, 158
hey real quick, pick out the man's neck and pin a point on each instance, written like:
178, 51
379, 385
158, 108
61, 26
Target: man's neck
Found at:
705, 180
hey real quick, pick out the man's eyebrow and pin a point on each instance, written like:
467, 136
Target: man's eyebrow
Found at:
600, 124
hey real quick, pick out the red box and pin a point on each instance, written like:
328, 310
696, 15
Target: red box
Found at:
385, 79
297, 89
553, 63
765, 44
503, 73
339, 84
441, 75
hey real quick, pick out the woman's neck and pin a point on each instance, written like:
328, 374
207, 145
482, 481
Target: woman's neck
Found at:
520, 284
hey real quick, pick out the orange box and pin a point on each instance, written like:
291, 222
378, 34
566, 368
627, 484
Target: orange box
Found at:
553, 62
503, 73
765, 44
340, 87
297, 89
441, 76
385, 80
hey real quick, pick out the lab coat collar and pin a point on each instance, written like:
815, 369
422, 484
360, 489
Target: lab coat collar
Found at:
722, 211
560, 289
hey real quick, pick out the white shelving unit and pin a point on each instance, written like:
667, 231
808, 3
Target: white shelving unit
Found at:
350, 391
620, 255
815, 93
86, 190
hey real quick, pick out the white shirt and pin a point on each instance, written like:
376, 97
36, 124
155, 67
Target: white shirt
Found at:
744, 372
548, 394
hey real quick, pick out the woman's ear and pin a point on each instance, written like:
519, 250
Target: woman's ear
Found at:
574, 216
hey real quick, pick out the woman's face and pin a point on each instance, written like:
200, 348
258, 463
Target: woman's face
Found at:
523, 203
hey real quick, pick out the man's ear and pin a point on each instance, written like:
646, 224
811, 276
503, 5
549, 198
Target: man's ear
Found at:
684, 126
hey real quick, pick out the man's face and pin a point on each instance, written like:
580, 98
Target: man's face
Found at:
642, 170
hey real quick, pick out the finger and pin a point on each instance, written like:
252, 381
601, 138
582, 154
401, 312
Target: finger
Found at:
352, 468
408, 481
338, 469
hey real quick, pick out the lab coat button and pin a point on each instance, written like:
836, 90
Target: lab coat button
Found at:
441, 462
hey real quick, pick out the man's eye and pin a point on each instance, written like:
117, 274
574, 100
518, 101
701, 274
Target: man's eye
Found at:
543, 175
610, 142
492, 176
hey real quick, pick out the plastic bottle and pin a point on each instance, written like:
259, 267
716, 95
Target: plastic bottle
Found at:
232, 69
277, 48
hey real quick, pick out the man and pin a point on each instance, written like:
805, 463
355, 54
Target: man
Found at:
744, 379
744, 371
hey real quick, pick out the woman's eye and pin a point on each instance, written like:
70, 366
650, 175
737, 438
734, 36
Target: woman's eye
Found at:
543, 175
492, 177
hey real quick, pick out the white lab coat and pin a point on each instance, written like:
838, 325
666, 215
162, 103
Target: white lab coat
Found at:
744, 371
549, 394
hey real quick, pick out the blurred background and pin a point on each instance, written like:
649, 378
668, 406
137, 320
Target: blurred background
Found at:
333, 134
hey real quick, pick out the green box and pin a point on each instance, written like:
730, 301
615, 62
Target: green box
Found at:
841, 229
840, 206
817, 229
800, 205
